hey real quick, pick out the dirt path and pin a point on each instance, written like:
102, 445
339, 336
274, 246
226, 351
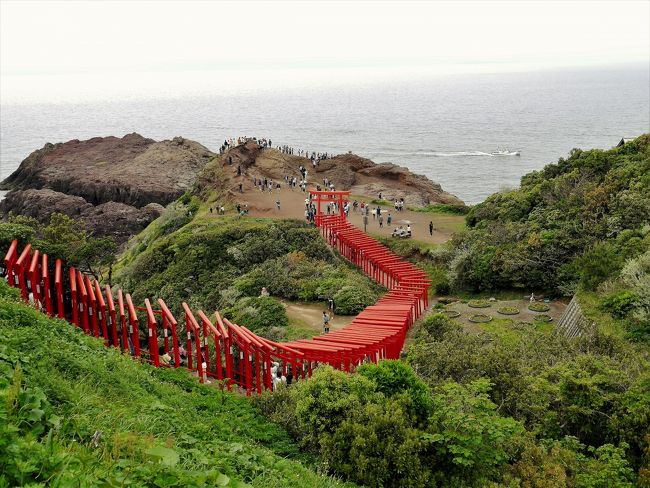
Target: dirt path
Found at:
311, 314
292, 205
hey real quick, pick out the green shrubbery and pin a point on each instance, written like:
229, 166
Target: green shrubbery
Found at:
260, 314
212, 265
383, 427
443, 208
595, 389
574, 222
76, 413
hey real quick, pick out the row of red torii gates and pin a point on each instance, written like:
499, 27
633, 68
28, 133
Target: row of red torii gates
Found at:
215, 347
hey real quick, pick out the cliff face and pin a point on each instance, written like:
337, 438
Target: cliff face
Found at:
132, 170
347, 171
116, 185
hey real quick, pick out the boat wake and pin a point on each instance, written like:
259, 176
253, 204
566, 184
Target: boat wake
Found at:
455, 154
451, 154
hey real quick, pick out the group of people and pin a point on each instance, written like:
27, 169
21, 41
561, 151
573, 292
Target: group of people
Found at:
278, 376
266, 184
242, 209
315, 156
233, 142
219, 209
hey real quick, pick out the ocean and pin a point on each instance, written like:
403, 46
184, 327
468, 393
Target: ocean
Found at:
444, 127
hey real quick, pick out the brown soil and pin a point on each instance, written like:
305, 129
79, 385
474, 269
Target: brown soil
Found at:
292, 206
311, 314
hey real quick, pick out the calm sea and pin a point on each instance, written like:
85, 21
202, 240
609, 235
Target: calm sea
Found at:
443, 128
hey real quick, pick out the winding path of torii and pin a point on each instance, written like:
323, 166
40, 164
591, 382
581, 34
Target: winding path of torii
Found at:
217, 348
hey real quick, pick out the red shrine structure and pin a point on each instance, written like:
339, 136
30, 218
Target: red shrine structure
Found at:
216, 347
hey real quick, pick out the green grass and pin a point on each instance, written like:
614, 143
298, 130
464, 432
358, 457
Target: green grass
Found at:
156, 427
509, 331
299, 329
442, 208
590, 305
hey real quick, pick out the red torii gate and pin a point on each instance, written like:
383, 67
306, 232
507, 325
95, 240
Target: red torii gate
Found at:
336, 197
240, 356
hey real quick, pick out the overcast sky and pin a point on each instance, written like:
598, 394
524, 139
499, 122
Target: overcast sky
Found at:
51, 47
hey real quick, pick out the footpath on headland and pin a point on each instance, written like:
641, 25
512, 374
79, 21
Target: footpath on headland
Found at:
292, 206
215, 347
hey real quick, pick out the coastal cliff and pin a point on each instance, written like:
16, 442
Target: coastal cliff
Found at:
133, 170
347, 171
116, 185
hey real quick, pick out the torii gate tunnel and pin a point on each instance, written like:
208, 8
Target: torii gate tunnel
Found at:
214, 347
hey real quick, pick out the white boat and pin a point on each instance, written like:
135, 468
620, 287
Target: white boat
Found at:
505, 152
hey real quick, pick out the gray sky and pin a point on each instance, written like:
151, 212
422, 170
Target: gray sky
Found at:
86, 48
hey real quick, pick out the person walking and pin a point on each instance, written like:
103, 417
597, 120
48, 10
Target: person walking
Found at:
389, 219
381, 221
326, 323
431, 228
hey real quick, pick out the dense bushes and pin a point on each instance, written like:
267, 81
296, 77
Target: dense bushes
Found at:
574, 222
297, 276
384, 428
260, 314
595, 390
214, 264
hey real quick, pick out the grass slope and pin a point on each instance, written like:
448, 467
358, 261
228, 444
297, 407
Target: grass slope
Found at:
75, 413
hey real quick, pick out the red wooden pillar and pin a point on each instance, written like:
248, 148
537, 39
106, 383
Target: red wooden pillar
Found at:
206, 348
153, 335
227, 348
92, 306
83, 302
74, 297
248, 357
101, 308
112, 316
10, 261
172, 325
34, 277
19, 267
193, 326
58, 285
125, 337
47, 286
133, 326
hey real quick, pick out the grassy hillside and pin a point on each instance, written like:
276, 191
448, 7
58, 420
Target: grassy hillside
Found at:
75, 413
223, 263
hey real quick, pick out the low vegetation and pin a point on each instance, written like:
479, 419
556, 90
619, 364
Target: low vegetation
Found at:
479, 412
224, 264
75, 413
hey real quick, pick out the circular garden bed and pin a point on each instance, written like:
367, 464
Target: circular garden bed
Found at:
480, 318
508, 310
538, 307
543, 318
451, 313
478, 304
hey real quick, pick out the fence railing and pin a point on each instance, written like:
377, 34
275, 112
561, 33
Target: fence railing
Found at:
214, 346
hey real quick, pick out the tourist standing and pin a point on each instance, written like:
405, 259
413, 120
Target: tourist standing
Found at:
326, 322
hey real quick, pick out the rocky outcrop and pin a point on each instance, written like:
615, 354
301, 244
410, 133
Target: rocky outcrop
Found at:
133, 169
116, 185
40, 204
115, 219
348, 172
